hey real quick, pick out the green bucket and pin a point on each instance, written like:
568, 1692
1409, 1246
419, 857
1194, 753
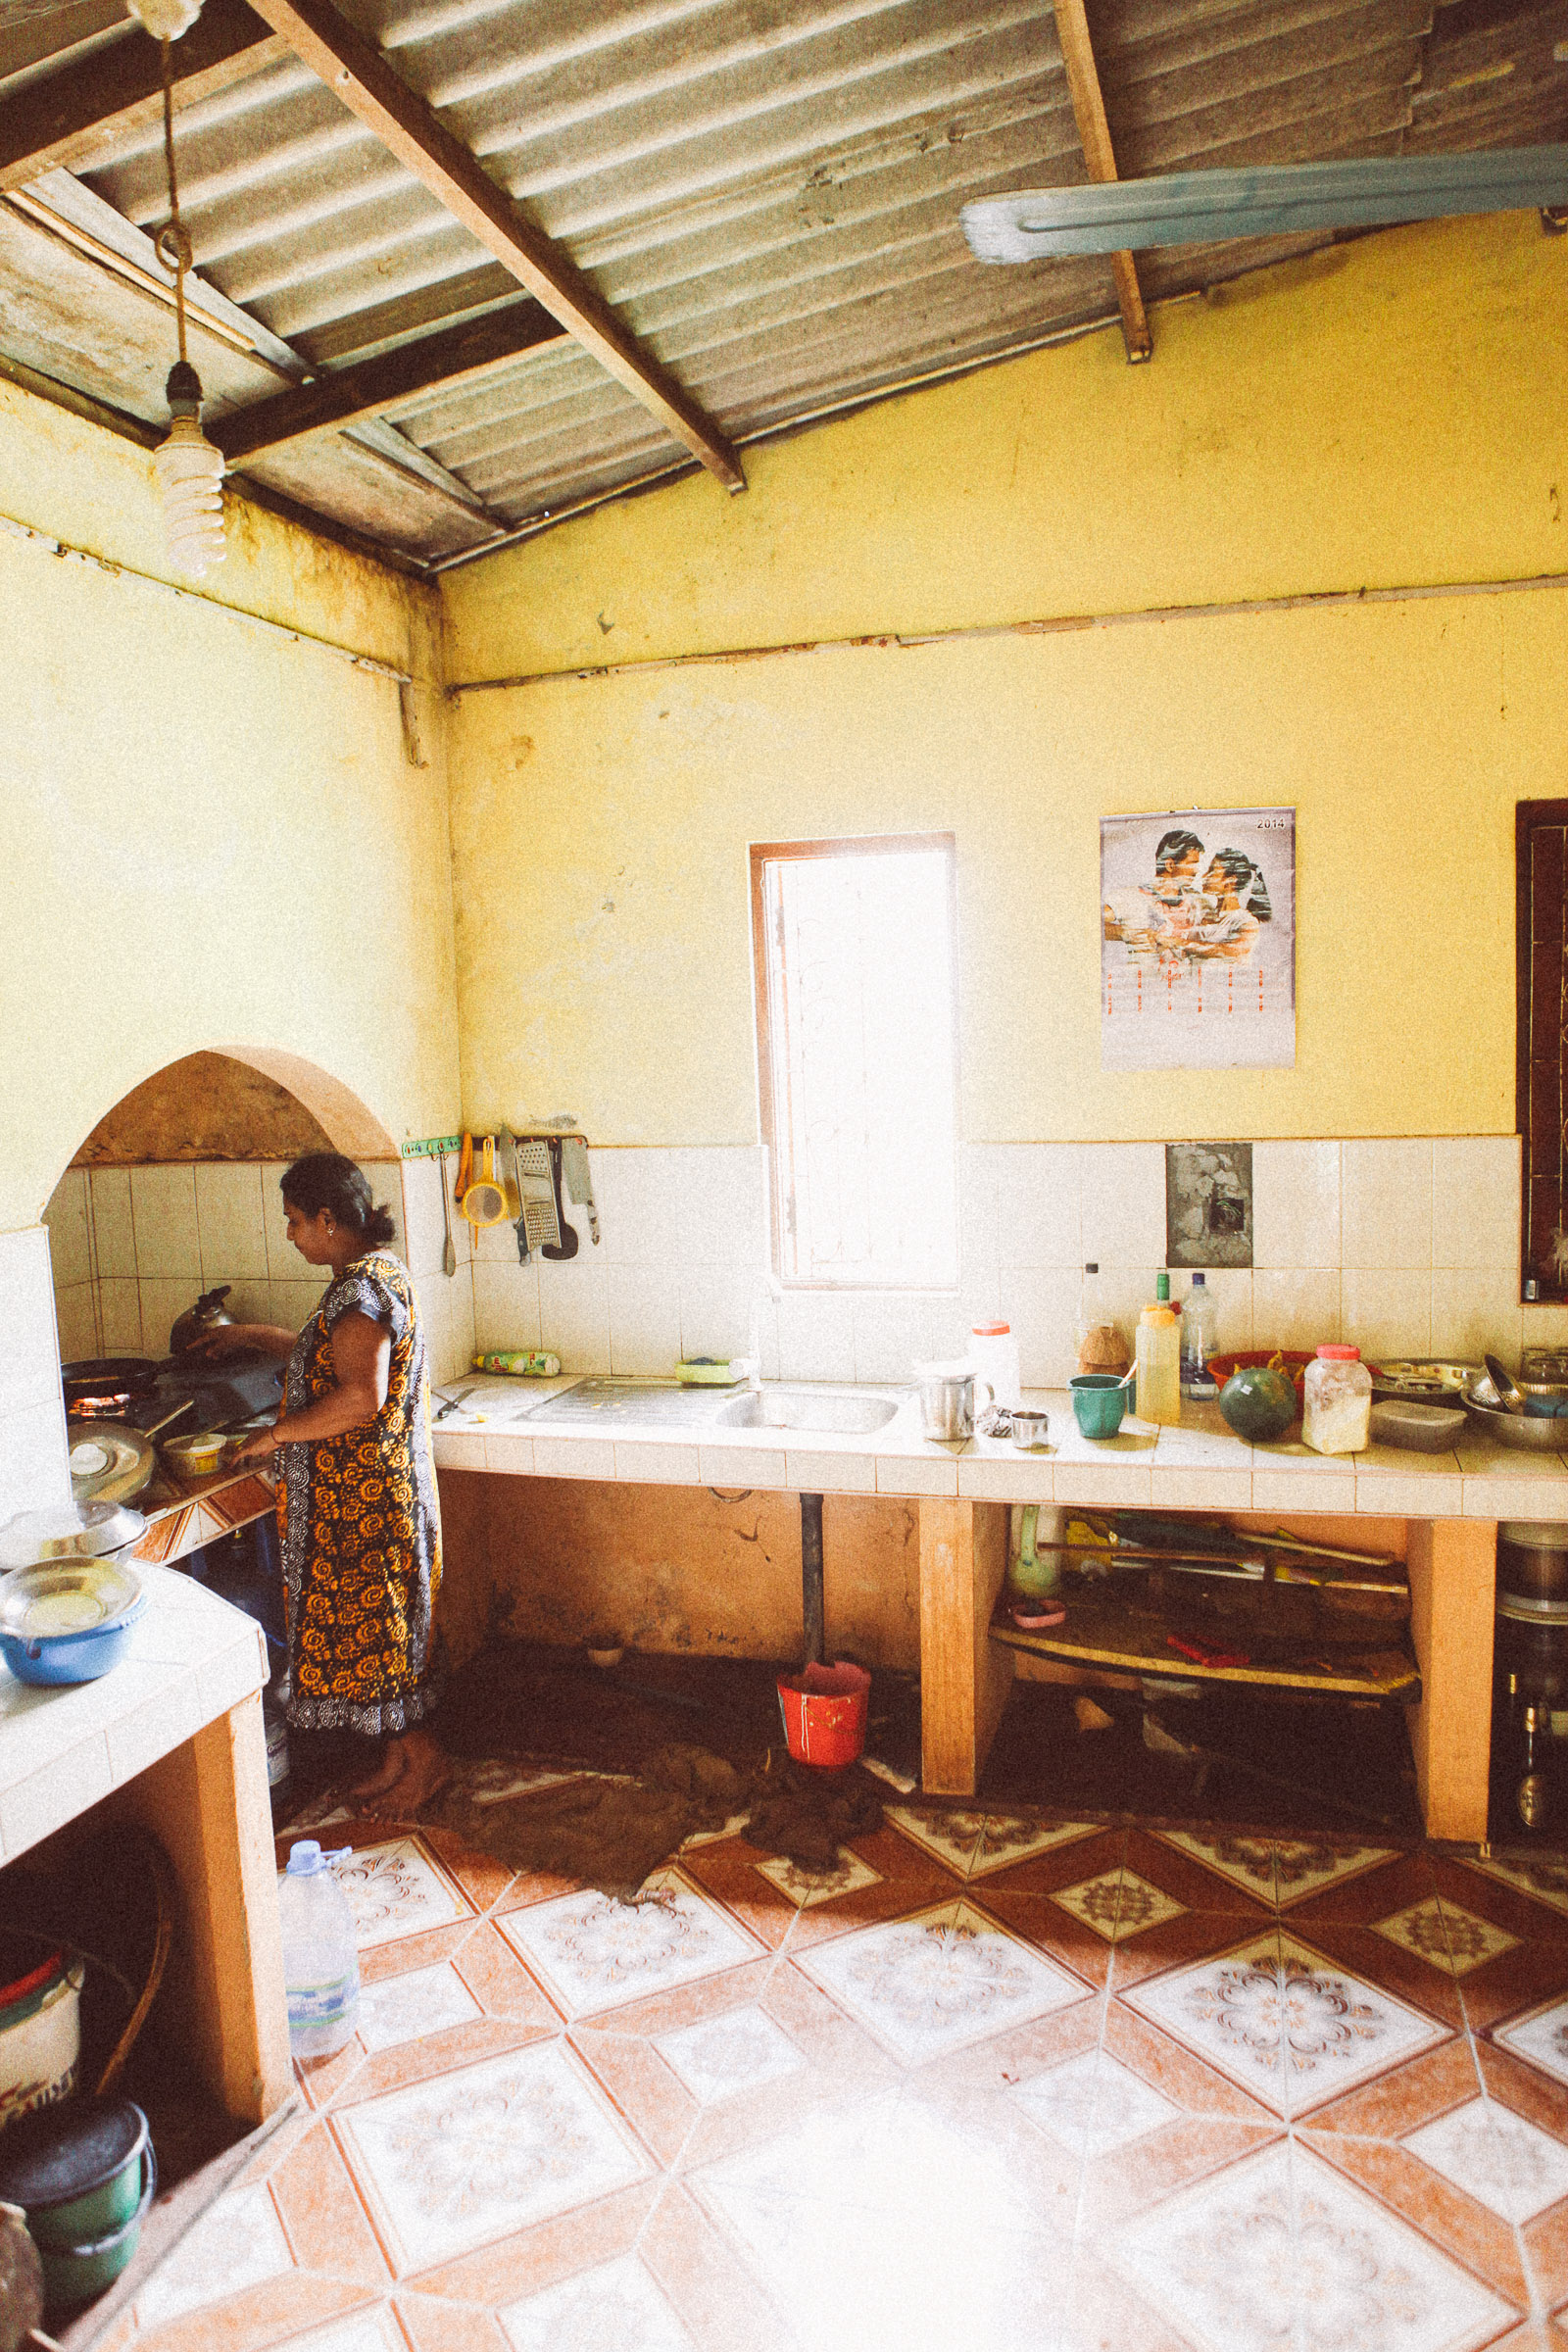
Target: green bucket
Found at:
85, 2173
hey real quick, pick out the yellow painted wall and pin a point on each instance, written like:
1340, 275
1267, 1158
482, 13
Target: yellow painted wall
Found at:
212, 838
1395, 414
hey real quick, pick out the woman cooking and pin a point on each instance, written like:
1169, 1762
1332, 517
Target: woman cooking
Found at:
357, 1504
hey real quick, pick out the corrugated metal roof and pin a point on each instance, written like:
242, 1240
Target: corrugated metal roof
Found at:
766, 191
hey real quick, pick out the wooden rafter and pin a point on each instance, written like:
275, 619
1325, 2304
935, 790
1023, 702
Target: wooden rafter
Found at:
452, 356
77, 118
1088, 112
361, 79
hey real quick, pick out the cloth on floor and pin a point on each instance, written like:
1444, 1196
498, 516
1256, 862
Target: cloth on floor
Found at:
614, 1833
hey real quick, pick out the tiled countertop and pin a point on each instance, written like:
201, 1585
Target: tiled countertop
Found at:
191, 1658
1200, 1466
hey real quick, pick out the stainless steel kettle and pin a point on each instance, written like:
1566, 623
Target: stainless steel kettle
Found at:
208, 1314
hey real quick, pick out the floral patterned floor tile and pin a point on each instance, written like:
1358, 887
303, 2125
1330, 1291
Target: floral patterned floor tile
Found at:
721, 2056
973, 1844
1445, 1936
1543, 1878
1497, 2156
1118, 1905
1091, 2104
591, 1952
1285, 2023
615, 2308
396, 1888
1541, 2039
948, 1976
808, 1888
363, 2332
485, 2151
1281, 2252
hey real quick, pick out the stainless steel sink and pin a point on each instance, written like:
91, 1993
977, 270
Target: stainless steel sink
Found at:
808, 1408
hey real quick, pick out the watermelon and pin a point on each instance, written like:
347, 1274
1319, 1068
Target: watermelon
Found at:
1257, 1404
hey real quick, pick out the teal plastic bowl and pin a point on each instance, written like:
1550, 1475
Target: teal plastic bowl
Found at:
1098, 1401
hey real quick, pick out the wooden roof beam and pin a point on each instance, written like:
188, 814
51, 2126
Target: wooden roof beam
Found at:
361, 79
1088, 112
78, 117
347, 395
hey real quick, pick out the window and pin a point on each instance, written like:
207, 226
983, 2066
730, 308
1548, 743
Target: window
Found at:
856, 1058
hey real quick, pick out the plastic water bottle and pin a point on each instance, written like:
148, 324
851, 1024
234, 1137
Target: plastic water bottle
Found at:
321, 1960
1199, 1332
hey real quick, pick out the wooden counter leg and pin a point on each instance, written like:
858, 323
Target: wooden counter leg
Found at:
208, 1804
964, 1676
1452, 1565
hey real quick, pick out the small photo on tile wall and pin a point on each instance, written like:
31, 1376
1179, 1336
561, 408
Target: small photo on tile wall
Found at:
1198, 941
1208, 1205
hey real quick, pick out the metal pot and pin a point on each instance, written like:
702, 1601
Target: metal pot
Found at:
208, 1314
1533, 1560
947, 1400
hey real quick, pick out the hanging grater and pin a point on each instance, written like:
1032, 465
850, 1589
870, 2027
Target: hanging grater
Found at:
540, 1222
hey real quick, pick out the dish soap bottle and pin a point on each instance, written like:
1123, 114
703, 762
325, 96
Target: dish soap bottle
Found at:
1159, 1386
1097, 1338
320, 1959
1199, 1332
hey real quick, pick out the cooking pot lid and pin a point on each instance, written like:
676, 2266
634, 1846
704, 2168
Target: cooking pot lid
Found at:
58, 2153
68, 1531
1520, 1609
1534, 1534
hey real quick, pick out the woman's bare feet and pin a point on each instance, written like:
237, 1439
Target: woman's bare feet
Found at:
386, 1775
418, 1771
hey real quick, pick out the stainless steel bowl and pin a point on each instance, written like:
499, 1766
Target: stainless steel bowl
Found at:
1522, 1430
69, 1531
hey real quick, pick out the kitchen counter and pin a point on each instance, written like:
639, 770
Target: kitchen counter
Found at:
1200, 1466
172, 1738
1439, 1511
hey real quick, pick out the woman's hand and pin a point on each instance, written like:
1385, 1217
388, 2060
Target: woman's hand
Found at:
259, 1447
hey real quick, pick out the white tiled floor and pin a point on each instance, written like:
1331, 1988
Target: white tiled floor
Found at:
947, 1976
1092, 2106
594, 1954
615, 2308
1497, 2156
721, 2056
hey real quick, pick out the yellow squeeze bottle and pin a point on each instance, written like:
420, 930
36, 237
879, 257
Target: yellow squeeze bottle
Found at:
1158, 1387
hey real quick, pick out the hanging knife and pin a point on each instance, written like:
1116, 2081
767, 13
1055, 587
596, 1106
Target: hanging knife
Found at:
579, 1183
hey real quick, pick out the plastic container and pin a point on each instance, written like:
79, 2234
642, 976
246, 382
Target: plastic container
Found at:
1337, 1414
994, 1354
1160, 1382
84, 2175
1200, 1330
824, 1710
1096, 1336
320, 1959
40, 2038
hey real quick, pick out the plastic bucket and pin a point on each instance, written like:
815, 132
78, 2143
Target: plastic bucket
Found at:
823, 1708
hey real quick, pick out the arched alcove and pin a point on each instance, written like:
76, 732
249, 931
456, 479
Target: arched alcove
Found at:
175, 1191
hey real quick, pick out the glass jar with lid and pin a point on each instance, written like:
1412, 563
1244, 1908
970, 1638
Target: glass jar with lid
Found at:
1337, 1411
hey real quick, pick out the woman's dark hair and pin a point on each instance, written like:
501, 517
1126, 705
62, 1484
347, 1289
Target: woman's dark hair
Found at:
1174, 847
1248, 883
325, 1180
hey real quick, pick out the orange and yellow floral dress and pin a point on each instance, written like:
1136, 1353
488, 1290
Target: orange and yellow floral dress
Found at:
361, 1526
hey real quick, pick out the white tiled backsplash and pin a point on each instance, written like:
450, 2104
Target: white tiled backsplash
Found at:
1405, 1247
132, 1246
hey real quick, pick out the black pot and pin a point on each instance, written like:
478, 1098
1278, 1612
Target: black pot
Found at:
1533, 1561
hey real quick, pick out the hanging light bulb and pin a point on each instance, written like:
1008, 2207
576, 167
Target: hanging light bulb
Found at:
189, 469
190, 473
166, 20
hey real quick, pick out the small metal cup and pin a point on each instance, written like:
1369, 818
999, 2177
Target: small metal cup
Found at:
947, 1400
1029, 1430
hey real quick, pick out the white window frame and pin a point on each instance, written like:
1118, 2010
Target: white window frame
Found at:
773, 1053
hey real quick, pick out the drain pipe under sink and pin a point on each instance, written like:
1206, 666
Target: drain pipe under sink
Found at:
812, 1602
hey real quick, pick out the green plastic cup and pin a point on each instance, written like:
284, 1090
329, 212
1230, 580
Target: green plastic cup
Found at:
1098, 1401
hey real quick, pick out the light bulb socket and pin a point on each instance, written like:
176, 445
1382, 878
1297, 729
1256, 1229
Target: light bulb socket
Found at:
183, 391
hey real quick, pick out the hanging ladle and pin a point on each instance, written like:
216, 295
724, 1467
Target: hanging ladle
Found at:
1510, 1396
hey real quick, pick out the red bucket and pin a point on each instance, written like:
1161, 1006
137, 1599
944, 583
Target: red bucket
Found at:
824, 1712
